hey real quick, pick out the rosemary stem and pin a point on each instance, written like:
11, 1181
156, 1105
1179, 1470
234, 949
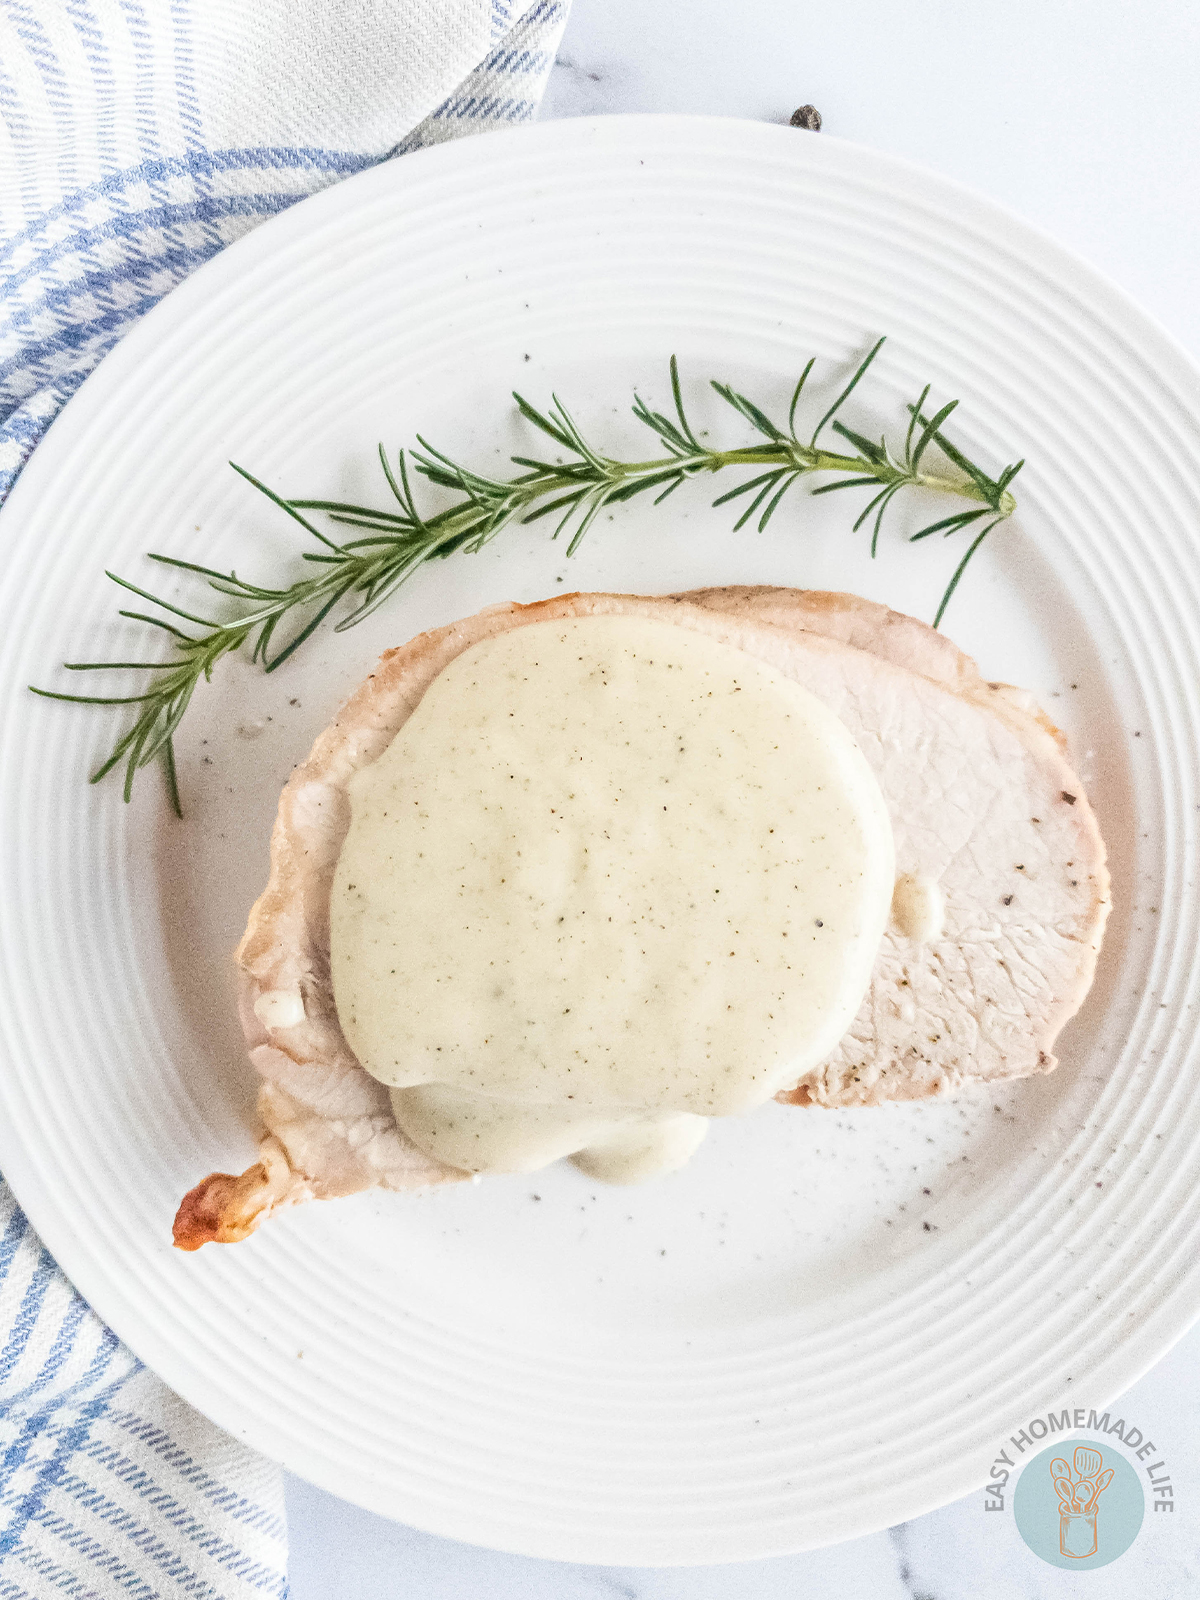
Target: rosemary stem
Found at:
368, 570
789, 455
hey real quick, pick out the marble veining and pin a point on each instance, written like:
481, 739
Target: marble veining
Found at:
899, 1537
583, 87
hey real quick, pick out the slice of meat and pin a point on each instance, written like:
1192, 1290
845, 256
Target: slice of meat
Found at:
892, 635
982, 802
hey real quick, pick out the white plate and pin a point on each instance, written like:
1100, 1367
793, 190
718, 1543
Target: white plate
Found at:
828, 1321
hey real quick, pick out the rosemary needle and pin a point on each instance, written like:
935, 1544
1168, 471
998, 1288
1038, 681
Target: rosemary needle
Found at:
388, 546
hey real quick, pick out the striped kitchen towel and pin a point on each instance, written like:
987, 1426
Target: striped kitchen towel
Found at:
138, 138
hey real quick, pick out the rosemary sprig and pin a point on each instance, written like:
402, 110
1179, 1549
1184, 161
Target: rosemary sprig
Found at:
390, 545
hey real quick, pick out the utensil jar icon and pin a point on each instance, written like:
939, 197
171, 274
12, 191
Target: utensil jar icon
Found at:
1079, 1489
1077, 1534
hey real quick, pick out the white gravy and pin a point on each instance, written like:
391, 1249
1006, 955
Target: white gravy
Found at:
611, 879
918, 908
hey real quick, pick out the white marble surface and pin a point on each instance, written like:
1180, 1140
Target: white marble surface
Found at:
1081, 118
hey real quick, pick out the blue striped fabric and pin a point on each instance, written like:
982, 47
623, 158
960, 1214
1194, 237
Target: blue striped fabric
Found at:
138, 138
109, 1484
113, 195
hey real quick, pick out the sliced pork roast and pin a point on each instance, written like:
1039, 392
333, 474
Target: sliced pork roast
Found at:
983, 805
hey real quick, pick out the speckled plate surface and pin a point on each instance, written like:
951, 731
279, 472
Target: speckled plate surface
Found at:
825, 1323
